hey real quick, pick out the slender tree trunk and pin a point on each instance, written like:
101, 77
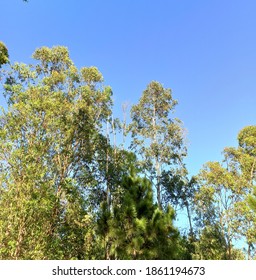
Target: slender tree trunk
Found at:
157, 163
189, 220
229, 250
107, 169
252, 171
249, 251
158, 185
124, 108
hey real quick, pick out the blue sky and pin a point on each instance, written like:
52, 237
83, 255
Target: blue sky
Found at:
205, 51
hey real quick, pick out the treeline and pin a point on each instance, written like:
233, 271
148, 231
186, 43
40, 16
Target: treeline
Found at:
78, 183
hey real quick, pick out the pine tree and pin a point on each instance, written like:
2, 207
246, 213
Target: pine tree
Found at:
136, 228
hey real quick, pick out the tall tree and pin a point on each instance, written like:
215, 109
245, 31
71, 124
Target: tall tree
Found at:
48, 139
224, 188
215, 203
156, 136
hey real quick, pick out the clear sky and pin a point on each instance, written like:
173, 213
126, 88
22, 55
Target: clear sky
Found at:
205, 51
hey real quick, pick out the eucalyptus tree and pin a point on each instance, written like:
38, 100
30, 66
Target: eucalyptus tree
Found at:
48, 139
244, 157
157, 137
252, 205
224, 188
215, 202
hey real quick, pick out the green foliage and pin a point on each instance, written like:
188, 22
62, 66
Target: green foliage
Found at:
247, 140
252, 200
47, 138
68, 191
135, 228
4, 56
252, 204
222, 198
180, 192
156, 137
211, 244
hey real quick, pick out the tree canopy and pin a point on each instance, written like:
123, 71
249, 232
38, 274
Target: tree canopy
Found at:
70, 188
